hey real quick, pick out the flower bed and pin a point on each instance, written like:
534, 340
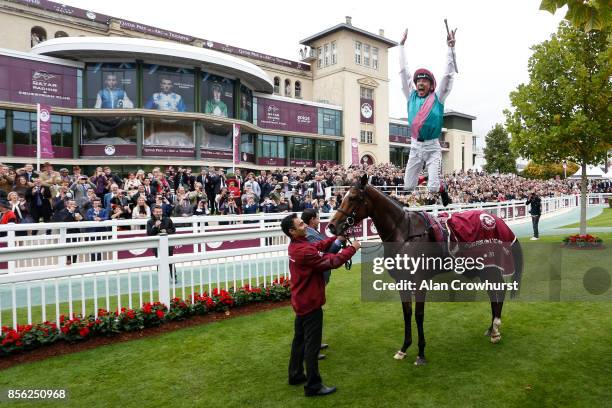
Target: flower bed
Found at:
78, 328
582, 241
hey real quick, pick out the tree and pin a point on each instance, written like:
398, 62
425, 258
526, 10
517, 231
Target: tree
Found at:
548, 170
589, 14
565, 111
500, 158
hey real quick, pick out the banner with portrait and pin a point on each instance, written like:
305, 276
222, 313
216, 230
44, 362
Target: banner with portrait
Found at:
168, 137
217, 95
109, 136
246, 104
168, 88
111, 85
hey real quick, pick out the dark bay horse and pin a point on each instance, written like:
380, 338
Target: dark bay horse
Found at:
396, 225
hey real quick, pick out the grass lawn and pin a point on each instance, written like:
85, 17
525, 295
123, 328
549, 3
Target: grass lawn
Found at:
602, 220
551, 354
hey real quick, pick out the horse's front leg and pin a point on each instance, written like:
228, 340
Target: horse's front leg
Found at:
419, 315
407, 311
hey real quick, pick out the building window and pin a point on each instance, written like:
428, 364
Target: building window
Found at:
24, 128
374, 57
298, 89
247, 143
276, 85
327, 150
367, 93
334, 53
366, 137
301, 148
37, 35
320, 57
287, 87
2, 126
330, 122
366, 55
60, 34
326, 47
357, 53
61, 130
271, 146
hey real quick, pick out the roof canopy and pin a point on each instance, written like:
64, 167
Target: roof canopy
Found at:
100, 48
592, 172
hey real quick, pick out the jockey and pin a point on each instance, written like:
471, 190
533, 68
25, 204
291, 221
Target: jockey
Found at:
425, 117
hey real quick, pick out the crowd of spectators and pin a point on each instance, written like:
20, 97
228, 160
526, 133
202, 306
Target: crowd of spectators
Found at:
66, 195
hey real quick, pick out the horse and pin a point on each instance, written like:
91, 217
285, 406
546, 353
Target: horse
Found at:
395, 225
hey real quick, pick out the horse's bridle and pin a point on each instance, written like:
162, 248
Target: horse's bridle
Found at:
350, 221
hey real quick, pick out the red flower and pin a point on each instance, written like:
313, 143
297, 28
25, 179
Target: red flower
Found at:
84, 332
160, 314
130, 314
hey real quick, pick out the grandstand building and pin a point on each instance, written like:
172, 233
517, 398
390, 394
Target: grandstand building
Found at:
130, 95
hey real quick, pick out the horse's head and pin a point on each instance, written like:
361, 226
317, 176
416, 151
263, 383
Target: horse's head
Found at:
354, 208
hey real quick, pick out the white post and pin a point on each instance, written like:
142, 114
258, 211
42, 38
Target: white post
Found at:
262, 241
163, 270
11, 244
61, 260
114, 237
38, 137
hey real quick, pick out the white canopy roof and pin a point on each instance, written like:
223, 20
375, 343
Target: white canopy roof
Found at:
97, 49
592, 172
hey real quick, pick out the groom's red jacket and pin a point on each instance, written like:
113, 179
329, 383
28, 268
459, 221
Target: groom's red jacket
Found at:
307, 262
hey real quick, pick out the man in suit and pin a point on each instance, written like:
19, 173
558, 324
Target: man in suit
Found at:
312, 221
318, 187
38, 198
159, 224
109, 196
69, 214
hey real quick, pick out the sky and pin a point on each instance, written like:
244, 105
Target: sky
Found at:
493, 37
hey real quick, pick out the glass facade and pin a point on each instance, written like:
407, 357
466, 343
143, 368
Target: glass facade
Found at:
271, 146
330, 122
301, 148
24, 128
2, 126
327, 150
247, 143
399, 130
61, 130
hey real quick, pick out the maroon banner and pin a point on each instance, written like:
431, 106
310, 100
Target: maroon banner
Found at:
354, 151
168, 151
327, 162
281, 115
271, 161
236, 133
255, 55
109, 150
366, 109
216, 154
301, 162
25, 81
157, 32
43, 119
66, 10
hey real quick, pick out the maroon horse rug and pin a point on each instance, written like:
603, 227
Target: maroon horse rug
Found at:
476, 234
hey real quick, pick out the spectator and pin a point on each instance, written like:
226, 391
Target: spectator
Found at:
535, 210
158, 224
38, 198
141, 209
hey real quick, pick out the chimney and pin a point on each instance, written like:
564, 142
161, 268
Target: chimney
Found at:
381, 32
349, 20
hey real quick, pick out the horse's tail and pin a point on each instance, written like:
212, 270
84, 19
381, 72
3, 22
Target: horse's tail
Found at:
517, 256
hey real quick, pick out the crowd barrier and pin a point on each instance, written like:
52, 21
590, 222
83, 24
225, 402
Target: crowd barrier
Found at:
68, 268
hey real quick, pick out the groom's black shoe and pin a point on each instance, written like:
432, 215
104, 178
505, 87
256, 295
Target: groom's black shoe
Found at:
324, 390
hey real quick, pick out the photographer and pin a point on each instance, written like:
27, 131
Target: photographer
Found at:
79, 189
536, 211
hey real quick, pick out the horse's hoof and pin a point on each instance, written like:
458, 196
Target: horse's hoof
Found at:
496, 339
488, 332
400, 355
420, 361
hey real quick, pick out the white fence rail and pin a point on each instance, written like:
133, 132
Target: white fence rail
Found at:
66, 272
